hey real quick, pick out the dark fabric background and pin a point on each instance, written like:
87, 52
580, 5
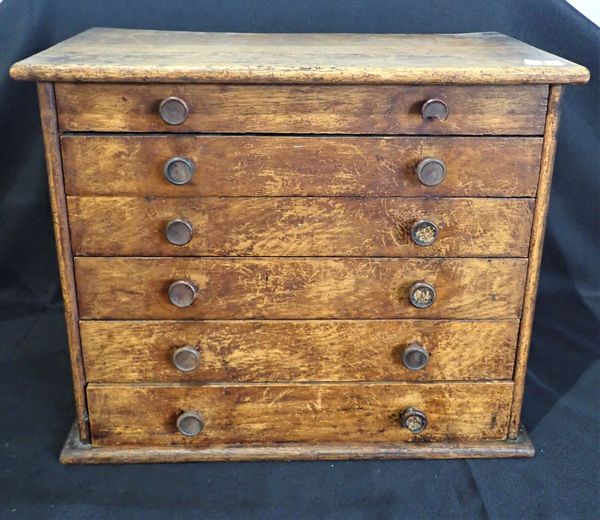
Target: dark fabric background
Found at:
561, 407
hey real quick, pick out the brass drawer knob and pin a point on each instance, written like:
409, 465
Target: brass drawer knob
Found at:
414, 420
173, 110
434, 109
415, 357
179, 232
424, 233
190, 424
422, 295
186, 358
431, 172
182, 293
179, 171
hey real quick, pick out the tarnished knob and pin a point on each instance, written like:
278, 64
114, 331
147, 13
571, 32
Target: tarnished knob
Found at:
415, 357
179, 170
434, 109
431, 172
424, 233
414, 420
173, 110
186, 358
182, 293
179, 231
190, 424
422, 295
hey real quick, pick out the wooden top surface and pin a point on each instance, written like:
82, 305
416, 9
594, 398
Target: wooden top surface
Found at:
103, 54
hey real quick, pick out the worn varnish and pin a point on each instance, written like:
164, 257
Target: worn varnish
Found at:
307, 109
321, 350
278, 288
146, 414
103, 54
241, 165
110, 226
266, 288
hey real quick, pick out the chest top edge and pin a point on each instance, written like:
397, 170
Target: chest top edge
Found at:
127, 55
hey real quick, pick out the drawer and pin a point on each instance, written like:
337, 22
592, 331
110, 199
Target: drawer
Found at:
307, 109
228, 414
280, 226
278, 288
282, 165
321, 350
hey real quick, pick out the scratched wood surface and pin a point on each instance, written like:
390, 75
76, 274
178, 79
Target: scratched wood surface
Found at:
102, 54
275, 226
320, 350
244, 165
139, 414
292, 358
303, 109
280, 288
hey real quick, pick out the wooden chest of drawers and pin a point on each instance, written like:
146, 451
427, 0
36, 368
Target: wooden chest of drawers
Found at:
298, 246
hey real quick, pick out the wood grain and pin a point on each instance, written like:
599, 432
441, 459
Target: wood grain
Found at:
308, 109
102, 54
76, 452
266, 351
305, 149
255, 413
278, 288
63, 250
535, 256
244, 165
125, 226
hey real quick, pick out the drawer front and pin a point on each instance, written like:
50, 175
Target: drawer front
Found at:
263, 351
132, 414
296, 166
279, 226
278, 288
323, 109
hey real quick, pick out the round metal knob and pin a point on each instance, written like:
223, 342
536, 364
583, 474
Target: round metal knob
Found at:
434, 109
414, 420
173, 110
422, 295
179, 231
186, 358
424, 233
415, 357
179, 171
182, 293
431, 172
190, 424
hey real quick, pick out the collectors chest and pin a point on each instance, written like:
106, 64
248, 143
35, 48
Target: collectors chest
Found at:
298, 246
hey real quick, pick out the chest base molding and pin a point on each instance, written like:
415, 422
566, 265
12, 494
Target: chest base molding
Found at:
76, 452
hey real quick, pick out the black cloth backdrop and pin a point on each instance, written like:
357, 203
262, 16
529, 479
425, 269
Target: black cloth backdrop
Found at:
561, 407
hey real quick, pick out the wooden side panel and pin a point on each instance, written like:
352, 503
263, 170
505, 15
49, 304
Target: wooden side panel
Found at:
266, 351
135, 414
310, 109
292, 226
63, 249
278, 288
243, 165
535, 255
